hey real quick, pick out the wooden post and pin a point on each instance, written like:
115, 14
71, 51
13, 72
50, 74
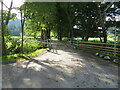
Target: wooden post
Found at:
115, 43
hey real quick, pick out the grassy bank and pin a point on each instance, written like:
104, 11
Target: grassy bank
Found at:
16, 57
95, 51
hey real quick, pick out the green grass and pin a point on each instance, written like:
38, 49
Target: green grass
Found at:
111, 55
95, 51
110, 40
15, 57
24, 37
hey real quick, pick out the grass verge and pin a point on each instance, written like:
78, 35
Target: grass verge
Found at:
100, 52
15, 57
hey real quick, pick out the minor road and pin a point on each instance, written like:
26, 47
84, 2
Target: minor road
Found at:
63, 67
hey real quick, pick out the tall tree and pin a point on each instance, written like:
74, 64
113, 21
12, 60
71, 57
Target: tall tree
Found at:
42, 14
22, 13
102, 12
2, 31
4, 50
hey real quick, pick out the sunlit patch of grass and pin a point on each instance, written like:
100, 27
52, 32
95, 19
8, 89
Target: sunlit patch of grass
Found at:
110, 40
15, 57
53, 38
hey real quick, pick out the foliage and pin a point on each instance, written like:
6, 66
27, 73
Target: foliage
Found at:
57, 19
14, 45
16, 57
40, 18
31, 45
63, 16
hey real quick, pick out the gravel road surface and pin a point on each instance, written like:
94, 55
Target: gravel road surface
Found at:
62, 67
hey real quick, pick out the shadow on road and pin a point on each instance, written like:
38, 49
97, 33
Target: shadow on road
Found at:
88, 72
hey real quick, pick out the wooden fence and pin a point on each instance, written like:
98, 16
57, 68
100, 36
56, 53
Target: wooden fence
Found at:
102, 47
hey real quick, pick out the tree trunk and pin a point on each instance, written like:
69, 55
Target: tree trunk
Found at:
86, 38
48, 33
44, 34
22, 36
100, 39
99, 36
22, 27
60, 38
82, 38
103, 20
4, 50
9, 12
22, 32
59, 35
70, 23
105, 36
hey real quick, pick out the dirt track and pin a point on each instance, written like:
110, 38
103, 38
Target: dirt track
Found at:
66, 68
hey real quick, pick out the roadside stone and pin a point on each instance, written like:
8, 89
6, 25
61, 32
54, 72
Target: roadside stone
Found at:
107, 57
97, 54
116, 60
101, 55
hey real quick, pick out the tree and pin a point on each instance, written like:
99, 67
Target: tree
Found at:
41, 17
4, 50
85, 17
102, 12
22, 13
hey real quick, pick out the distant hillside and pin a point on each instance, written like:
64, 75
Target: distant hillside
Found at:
14, 27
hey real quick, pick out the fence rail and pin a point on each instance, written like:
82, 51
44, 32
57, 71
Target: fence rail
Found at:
102, 47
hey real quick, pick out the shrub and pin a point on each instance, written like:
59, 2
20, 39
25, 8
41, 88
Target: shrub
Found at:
14, 45
31, 45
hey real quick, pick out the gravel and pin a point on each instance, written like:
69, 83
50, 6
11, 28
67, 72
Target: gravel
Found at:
64, 68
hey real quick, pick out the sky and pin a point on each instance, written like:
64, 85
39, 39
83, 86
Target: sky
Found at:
16, 3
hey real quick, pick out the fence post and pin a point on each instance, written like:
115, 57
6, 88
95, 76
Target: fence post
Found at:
115, 43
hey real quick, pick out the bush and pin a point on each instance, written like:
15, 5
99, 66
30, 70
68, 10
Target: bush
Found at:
14, 45
31, 45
